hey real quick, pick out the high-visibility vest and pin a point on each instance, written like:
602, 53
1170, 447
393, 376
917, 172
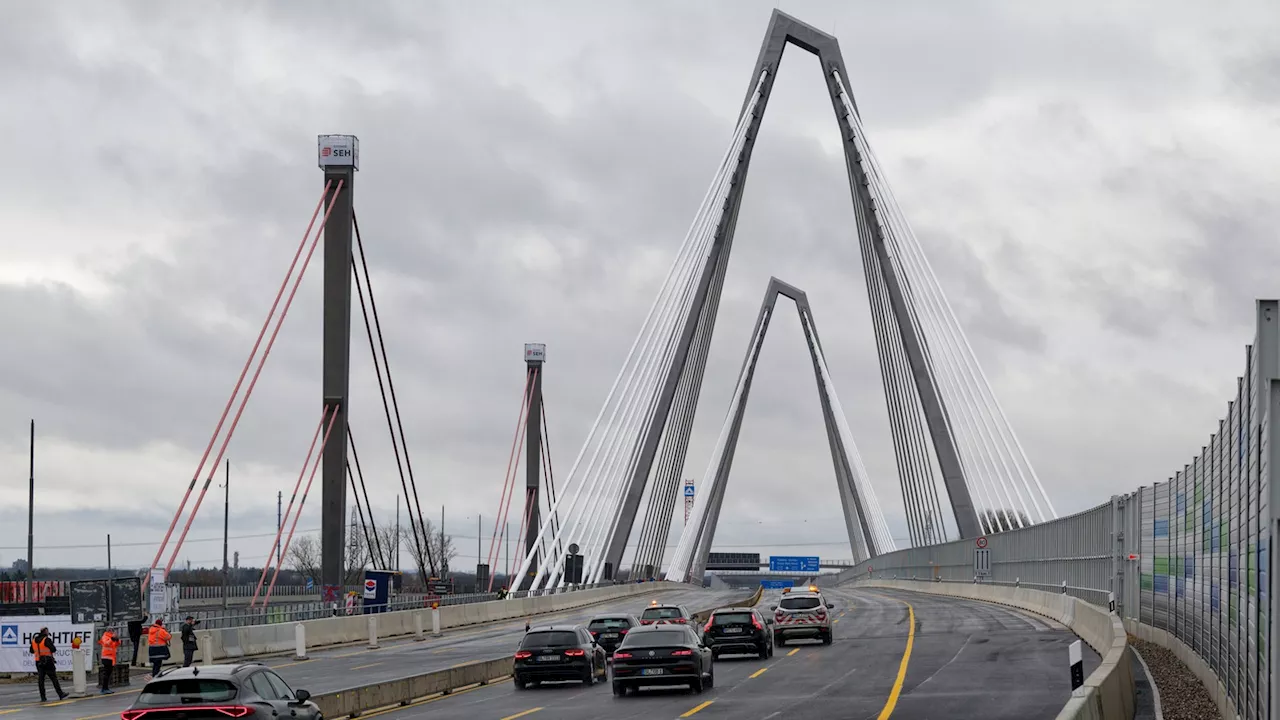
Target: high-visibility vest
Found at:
157, 635
109, 645
40, 649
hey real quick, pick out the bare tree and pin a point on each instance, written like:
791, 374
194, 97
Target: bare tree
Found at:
304, 556
430, 551
1001, 519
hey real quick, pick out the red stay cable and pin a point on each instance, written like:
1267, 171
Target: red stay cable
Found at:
280, 530
226, 440
333, 418
236, 390
504, 512
508, 480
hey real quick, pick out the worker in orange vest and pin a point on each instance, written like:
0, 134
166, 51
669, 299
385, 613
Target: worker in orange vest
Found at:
46, 666
157, 645
110, 646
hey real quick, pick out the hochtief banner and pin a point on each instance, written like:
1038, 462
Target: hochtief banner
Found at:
15, 640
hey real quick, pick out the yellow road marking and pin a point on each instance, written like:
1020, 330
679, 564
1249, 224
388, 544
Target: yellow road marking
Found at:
758, 673
522, 714
833, 622
361, 667
892, 702
694, 711
97, 717
6, 712
793, 652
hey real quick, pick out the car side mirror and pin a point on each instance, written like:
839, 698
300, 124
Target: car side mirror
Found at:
773, 607
831, 606
302, 695
768, 621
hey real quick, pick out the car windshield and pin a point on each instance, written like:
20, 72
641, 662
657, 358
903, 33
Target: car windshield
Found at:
609, 624
732, 618
661, 638
800, 603
548, 638
187, 691
661, 613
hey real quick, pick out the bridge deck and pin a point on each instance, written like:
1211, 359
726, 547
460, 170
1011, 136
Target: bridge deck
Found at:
968, 660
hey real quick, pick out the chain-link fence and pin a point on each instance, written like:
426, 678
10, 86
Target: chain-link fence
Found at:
1190, 556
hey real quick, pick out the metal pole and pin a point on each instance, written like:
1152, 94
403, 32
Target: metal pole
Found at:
506, 535
279, 523
109, 573
226, 523
31, 514
443, 561
478, 524
398, 536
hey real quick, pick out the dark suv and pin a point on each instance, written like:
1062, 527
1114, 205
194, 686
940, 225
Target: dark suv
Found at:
739, 630
217, 692
558, 652
610, 630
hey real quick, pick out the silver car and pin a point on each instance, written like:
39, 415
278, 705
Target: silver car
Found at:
802, 613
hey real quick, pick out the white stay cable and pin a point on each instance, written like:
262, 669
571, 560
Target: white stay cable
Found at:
883, 538
676, 264
912, 252
691, 535
608, 522
962, 396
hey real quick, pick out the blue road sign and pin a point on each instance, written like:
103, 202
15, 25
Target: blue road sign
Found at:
777, 584
688, 491
310, 583
793, 563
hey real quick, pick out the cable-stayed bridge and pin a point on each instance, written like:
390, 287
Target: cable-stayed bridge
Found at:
973, 618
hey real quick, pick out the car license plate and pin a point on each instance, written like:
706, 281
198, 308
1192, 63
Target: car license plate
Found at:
651, 671
733, 630
610, 636
548, 658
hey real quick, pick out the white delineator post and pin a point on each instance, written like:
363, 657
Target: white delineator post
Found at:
300, 641
417, 627
79, 682
435, 619
204, 642
1075, 655
373, 631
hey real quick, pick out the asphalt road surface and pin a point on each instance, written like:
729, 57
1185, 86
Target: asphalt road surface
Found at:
345, 667
962, 659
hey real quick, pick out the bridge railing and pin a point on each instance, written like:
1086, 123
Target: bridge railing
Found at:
1188, 561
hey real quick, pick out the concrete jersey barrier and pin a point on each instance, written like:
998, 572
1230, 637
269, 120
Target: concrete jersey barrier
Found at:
1108, 692
355, 701
248, 641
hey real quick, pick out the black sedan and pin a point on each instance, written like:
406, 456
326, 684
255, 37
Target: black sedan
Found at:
558, 652
610, 630
249, 691
739, 630
662, 655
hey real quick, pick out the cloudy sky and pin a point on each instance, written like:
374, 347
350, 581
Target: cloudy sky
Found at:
1095, 186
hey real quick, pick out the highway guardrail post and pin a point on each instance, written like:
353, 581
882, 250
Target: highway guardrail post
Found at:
417, 627
373, 631
204, 643
435, 619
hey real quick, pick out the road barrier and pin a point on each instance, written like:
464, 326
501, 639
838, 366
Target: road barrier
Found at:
1108, 691
361, 699
358, 700
253, 640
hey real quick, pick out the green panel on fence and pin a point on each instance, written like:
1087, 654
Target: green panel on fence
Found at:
1146, 582
1161, 565
1191, 522
1199, 493
1251, 572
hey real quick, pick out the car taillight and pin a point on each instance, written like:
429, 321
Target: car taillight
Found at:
520, 655
235, 711
646, 622
622, 632
132, 714
620, 655
575, 652
707, 628
756, 621
680, 653
681, 621
595, 633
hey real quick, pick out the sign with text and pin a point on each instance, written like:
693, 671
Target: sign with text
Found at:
535, 352
793, 563
777, 584
15, 640
338, 151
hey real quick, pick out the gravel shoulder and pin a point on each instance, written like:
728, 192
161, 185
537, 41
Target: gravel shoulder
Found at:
1182, 695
